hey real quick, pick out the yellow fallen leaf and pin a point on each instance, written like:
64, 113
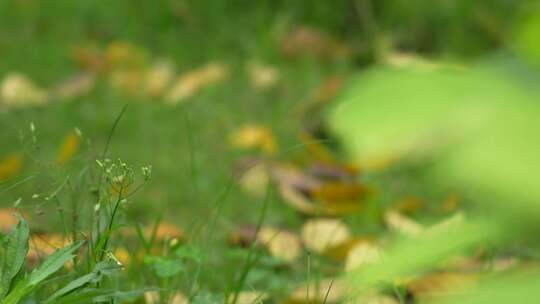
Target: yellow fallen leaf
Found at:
127, 80
10, 166
151, 297
158, 77
254, 137
189, 83
250, 297
121, 54
17, 90
335, 192
319, 291
262, 76
402, 224
255, 180
179, 298
122, 255
282, 244
69, 148
364, 253
322, 234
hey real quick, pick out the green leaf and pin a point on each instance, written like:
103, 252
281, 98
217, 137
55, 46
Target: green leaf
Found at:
102, 268
54, 262
15, 255
165, 267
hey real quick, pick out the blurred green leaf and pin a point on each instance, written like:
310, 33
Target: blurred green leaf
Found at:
16, 249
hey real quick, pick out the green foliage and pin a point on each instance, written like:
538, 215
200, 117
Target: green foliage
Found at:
13, 260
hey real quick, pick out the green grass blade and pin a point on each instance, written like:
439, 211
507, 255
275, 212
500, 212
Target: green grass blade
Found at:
54, 262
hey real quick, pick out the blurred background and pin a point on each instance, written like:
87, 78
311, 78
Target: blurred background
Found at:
348, 108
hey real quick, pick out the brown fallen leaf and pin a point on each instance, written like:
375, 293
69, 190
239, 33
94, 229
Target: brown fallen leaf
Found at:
69, 148
17, 90
127, 80
254, 137
308, 41
89, 57
281, 243
336, 192
243, 236
363, 253
189, 83
7, 219
322, 234
10, 166
440, 284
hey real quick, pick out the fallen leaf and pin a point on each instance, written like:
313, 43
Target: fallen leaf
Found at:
322, 234
69, 148
165, 230
179, 298
440, 284
17, 90
262, 76
335, 192
127, 80
7, 219
243, 237
158, 77
122, 255
122, 54
255, 180
364, 253
151, 297
254, 137
74, 87
402, 224
89, 57
189, 83
10, 166
308, 41
282, 244
408, 205
320, 291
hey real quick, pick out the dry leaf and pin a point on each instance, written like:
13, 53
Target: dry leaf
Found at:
122, 255
254, 137
74, 87
243, 237
319, 235
335, 192
10, 166
151, 297
165, 230
255, 180
333, 290
17, 90
158, 78
364, 253
89, 58
128, 80
262, 76
188, 84
121, 54
307, 41
282, 244
440, 284
402, 224
69, 148
179, 298
250, 297
7, 219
